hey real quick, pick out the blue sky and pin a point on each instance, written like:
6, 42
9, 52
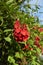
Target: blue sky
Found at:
40, 11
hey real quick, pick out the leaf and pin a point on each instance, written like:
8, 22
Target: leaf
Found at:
33, 57
11, 59
22, 42
37, 7
7, 30
31, 42
19, 55
41, 57
15, 64
8, 39
38, 50
10, 1
41, 42
33, 62
27, 6
29, 53
37, 63
1, 21
41, 33
35, 34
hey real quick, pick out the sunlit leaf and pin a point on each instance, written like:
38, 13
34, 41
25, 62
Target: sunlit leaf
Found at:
7, 30
19, 55
8, 39
11, 59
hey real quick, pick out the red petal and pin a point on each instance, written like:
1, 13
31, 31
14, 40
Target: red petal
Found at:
37, 43
17, 30
17, 24
37, 38
40, 29
25, 38
24, 32
26, 46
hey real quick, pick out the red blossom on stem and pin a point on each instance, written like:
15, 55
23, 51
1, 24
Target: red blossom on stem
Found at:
37, 38
36, 43
42, 50
40, 29
17, 24
26, 46
20, 32
31, 49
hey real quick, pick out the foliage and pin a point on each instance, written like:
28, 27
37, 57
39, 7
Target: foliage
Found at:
13, 52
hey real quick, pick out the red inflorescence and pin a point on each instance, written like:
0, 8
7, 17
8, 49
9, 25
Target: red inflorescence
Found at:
30, 49
40, 29
37, 38
42, 50
26, 46
20, 32
37, 43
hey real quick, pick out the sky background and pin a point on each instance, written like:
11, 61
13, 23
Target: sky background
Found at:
39, 14
40, 11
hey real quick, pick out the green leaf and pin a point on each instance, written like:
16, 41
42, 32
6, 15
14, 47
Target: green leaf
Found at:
11, 59
29, 53
10, 1
37, 63
31, 41
41, 33
22, 42
7, 30
15, 64
35, 34
33, 62
8, 39
33, 57
41, 42
38, 50
19, 55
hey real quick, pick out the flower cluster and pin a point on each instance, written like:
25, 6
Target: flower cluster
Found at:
40, 29
37, 39
20, 32
27, 47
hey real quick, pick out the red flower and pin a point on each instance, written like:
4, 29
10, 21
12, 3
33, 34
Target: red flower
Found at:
26, 46
17, 30
40, 29
31, 49
36, 43
17, 24
25, 38
40, 47
24, 26
20, 32
42, 50
37, 38
24, 32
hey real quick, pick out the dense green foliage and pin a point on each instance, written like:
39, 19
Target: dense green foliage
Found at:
11, 52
